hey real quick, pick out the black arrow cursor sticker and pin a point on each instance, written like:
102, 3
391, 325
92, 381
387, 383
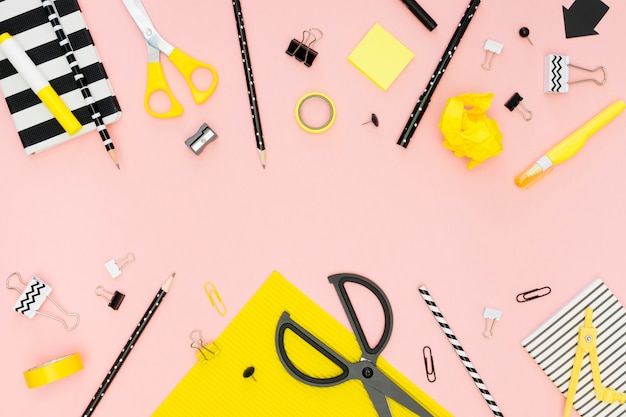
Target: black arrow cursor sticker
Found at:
582, 17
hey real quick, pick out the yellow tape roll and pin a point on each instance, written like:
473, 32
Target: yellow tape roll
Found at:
323, 127
53, 370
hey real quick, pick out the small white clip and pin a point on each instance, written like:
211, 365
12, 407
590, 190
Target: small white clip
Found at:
491, 315
492, 48
114, 267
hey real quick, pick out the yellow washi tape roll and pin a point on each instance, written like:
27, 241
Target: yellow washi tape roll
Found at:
53, 370
325, 125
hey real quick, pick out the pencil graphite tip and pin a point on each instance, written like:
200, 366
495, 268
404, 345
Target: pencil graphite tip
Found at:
166, 286
118, 166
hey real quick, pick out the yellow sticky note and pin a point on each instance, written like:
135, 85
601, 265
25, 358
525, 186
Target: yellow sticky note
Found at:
380, 56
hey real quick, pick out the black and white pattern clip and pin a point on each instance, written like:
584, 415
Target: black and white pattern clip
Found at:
32, 297
556, 75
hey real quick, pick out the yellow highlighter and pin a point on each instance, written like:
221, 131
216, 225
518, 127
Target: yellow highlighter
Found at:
38, 83
569, 146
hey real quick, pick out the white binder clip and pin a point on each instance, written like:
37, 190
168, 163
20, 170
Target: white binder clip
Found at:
32, 297
114, 267
491, 315
492, 48
556, 74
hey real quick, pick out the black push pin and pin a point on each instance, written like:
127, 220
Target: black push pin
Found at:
248, 372
524, 32
115, 299
373, 119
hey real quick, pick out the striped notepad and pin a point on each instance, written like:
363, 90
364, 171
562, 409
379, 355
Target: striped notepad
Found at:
28, 22
553, 347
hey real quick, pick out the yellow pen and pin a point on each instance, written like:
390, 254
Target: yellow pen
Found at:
569, 146
38, 83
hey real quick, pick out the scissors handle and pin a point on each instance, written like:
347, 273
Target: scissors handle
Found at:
157, 83
287, 323
339, 281
187, 66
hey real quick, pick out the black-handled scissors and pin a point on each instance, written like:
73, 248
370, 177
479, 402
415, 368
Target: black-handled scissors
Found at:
378, 386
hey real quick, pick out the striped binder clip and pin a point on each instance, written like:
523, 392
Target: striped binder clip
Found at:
32, 298
557, 75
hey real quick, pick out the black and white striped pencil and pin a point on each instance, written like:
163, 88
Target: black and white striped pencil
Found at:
459, 351
130, 344
247, 67
79, 77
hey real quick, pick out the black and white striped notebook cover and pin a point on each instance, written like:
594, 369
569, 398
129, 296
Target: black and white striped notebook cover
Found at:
28, 22
553, 347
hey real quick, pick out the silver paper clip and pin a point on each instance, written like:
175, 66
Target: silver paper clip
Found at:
214, 298
32, 297
303, 51
115, 299
492, 48
556, 74
533, 294
199, 344
429, 364
114, 267
491, 315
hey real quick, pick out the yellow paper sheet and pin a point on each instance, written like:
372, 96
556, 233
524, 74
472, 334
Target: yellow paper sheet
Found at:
217, 387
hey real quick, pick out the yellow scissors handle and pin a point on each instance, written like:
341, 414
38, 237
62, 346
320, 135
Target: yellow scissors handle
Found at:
157, 83
187, 65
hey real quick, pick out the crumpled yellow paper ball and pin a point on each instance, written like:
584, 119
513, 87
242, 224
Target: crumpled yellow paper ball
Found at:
467, 130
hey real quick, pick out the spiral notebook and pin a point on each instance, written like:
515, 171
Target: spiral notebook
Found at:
219, 385
28, 22
553, 347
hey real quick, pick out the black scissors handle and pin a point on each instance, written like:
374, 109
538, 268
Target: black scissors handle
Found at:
286, 323
339, 281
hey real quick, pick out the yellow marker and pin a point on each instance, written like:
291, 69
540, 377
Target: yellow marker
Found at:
38, 83
569, 146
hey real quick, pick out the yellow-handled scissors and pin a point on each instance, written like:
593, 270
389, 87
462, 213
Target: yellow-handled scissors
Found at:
156, 77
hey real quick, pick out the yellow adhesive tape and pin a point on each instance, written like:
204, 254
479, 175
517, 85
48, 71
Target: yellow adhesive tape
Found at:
53, 370
315, 129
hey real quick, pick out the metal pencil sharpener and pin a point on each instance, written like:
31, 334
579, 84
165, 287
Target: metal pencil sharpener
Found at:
201, 138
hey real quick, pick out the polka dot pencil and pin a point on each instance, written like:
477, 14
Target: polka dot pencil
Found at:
79, 77
459, 351
128, 347
424, 100
247, 67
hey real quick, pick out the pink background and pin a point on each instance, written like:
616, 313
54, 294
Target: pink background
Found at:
348, 200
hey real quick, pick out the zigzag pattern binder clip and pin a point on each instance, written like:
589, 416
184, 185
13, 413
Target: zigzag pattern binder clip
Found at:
27, 21
556, 75
32, 297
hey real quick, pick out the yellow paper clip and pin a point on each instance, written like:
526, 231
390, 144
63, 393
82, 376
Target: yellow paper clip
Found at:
214, 297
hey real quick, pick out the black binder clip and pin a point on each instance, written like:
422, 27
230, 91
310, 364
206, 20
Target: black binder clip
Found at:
303, 50
515, 103
115, 299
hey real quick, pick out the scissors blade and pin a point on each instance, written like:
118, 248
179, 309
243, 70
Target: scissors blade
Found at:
380, 387
140, 15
